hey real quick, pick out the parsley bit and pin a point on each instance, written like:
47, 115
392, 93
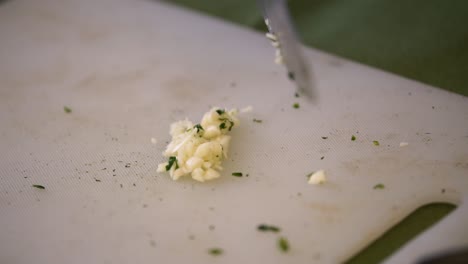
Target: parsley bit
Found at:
376, 143
324, 137
283, 244
291, 76
237, 174
198, 127
296, 105
296, 95
67, 109
266, 228
215, 251
220, 111
171, 162
379, 186
353, 138
257, 120
38, 186
222, 126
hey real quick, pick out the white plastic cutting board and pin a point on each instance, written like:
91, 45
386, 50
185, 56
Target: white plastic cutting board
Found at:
127, 69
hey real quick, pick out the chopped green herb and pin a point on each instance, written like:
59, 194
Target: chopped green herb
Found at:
271, 228
257, 120
231, 124
222, 126
67, 109
324, 137
296, 95
38, 186
322, 157
220, 111
215, 251
237, 174
291, 76
198, 127
376, 143
283, 244
353, 138
296, 105
171, 162
379, 186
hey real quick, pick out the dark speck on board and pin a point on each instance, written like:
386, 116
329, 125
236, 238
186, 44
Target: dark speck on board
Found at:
153, 243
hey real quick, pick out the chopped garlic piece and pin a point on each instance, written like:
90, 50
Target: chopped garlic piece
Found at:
317, 177
198, 150
404, 144
246, 109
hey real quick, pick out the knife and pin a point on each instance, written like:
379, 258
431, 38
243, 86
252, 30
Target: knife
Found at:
285, 39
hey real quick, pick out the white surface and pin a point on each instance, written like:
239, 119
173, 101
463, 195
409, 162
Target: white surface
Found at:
130, 68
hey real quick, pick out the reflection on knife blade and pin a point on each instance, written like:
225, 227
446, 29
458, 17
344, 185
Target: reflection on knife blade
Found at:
288, 48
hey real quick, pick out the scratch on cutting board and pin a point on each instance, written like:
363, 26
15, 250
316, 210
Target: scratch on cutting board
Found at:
187, 89
329, 214
91, 35
104, 81
55, 74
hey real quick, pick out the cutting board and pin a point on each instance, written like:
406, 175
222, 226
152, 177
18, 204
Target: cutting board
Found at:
128, 69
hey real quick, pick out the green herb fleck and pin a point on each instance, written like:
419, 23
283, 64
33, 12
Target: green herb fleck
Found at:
222, 126
379, 186
376, 143
220, 111
215, 251
198, 127
67, 109
171, 162
296, 105
322, 157
237, 174
38, 186
231, 125
291, 76
283, 244
353, 138
257, 120
296, 95
324, 137
265, 228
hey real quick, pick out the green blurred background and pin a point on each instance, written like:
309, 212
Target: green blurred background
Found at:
424, 40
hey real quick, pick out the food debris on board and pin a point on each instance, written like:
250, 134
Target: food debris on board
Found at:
38, 186
153, 140
318, 177
283, 244
266, 228
215, 251
247, 109
67, 109
199, 149
379, 186
404, 144
237, 174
